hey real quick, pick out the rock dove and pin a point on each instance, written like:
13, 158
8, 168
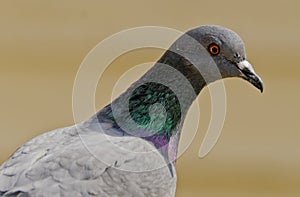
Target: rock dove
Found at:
129, 147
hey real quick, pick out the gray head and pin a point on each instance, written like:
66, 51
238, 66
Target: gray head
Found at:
225, 47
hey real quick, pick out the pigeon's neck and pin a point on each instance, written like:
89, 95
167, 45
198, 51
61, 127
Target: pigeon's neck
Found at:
155, 106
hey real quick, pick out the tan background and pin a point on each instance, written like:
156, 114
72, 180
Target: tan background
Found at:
42, 44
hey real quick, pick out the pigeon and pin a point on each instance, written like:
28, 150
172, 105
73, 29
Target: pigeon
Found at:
129, 147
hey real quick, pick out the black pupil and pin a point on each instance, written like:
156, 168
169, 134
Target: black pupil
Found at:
214, 49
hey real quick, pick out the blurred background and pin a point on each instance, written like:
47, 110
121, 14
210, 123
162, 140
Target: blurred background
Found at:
42, 44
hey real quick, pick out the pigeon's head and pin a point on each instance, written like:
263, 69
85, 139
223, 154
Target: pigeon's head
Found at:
228, 52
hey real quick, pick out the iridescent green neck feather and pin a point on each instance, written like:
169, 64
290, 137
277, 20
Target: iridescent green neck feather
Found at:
152, 110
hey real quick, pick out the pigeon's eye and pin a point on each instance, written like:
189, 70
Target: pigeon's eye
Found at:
214, 49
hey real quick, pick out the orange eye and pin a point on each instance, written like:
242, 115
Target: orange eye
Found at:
214, 49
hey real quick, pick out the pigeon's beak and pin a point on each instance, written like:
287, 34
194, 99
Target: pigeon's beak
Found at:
248, 74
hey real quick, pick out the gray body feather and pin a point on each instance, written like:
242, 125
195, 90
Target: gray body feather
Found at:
60, 163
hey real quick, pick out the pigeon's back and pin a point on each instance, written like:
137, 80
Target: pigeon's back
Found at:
73, 161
